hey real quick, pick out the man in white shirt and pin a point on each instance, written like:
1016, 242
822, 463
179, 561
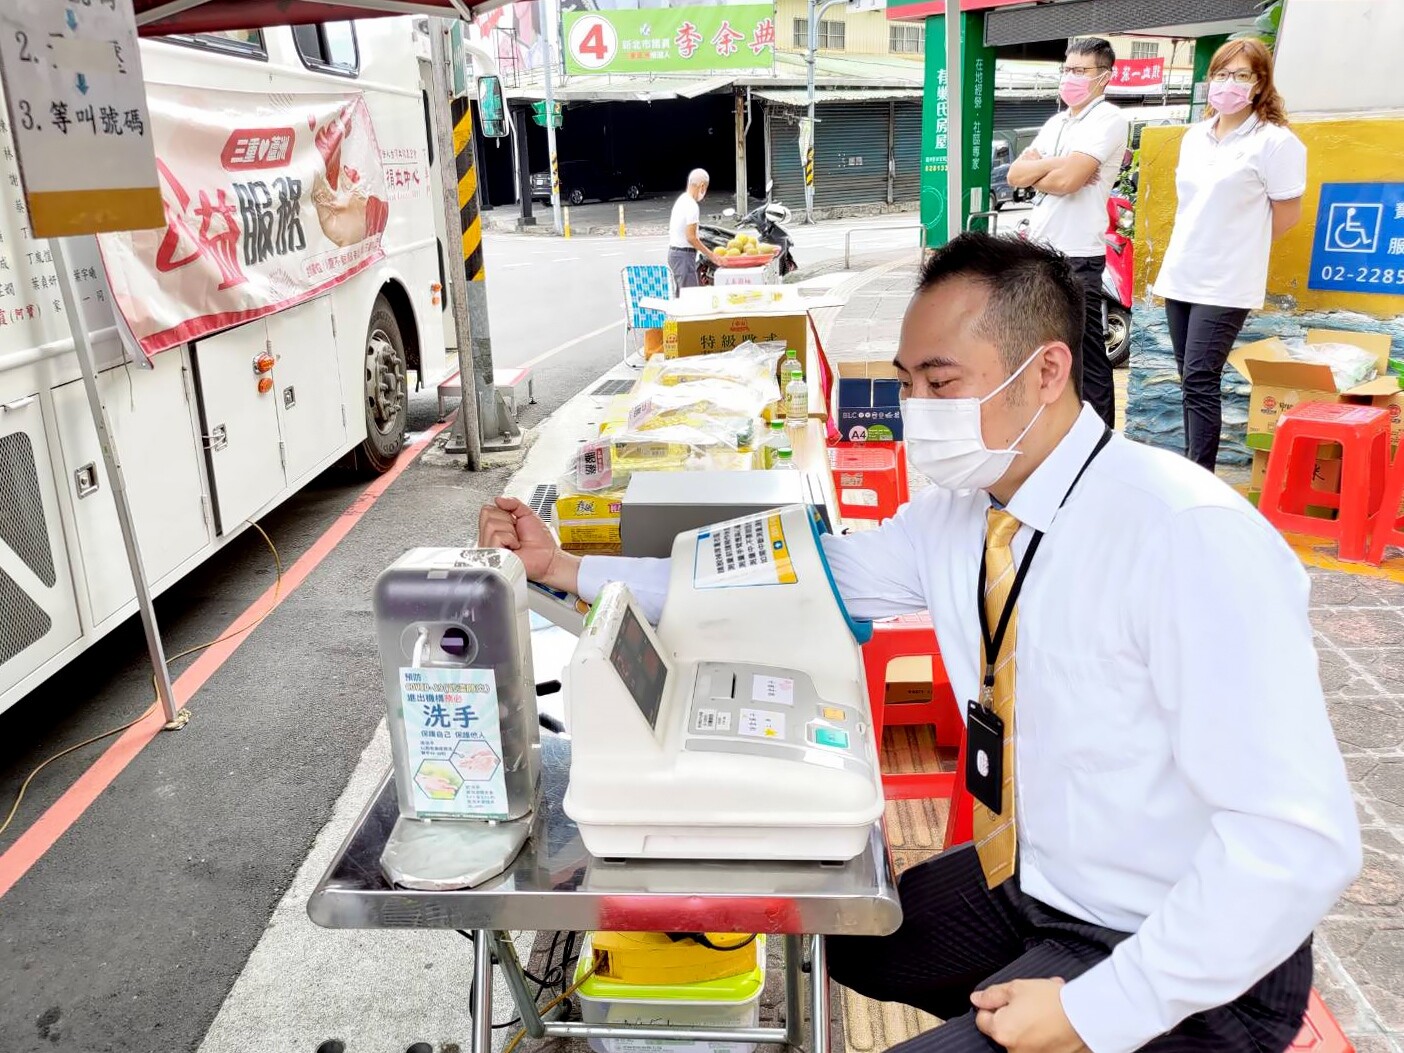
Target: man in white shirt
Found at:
683, 242
1072, 164
1173, 817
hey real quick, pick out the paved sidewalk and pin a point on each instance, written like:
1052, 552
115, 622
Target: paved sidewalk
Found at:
1359, 623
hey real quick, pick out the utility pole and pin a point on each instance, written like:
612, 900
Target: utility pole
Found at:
955, 143
547, 14
816, 15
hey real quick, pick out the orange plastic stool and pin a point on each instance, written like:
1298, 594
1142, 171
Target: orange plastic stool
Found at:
906, 637
876, 468
1386, 524
1363, 435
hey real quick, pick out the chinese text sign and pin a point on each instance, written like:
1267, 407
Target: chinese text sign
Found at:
1358, 244
672, 40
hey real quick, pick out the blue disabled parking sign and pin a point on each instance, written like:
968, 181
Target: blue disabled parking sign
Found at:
1359, 241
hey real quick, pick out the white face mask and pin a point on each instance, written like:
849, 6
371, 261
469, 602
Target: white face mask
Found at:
946, 444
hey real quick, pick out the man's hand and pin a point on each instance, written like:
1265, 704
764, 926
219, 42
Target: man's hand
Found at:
1026, 1016
510, 524
1031, 155
1094, 178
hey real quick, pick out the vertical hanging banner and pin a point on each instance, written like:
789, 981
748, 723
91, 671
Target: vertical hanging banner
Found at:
268, 200
697, 39
77, 108
977, 109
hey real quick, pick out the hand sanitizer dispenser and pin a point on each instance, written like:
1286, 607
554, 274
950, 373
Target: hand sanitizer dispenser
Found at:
455, 654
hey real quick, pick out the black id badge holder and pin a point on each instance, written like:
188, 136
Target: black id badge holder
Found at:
984, 753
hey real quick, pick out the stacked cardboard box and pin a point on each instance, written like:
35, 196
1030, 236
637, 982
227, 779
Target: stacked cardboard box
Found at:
1279, 383
868, 405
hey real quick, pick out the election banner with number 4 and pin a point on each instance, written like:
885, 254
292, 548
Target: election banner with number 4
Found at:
1358, 245
675, 40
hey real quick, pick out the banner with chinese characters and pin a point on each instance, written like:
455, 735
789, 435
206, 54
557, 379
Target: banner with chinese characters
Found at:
670, 40
269, 200
1139, 76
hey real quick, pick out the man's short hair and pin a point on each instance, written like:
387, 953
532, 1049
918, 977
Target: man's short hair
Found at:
1101, 50
697, 177
1034, 296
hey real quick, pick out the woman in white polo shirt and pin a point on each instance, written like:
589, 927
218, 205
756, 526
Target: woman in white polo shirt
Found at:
1240, 182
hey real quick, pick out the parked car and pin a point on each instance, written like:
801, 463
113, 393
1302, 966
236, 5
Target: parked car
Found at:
1001, 193
585, 180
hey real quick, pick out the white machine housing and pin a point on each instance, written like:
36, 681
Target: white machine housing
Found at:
740, 728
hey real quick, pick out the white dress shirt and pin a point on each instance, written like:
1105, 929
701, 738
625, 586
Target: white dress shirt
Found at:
1177, 776
1219, 246
1076, 224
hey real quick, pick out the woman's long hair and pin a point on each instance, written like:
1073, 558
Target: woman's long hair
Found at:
1267, 103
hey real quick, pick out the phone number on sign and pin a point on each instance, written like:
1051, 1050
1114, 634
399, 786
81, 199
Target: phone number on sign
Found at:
1364, 275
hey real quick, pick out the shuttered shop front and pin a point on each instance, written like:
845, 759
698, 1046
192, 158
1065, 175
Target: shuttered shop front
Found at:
850, 154
906, 149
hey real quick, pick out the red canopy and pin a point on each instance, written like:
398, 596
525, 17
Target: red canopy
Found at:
159, 17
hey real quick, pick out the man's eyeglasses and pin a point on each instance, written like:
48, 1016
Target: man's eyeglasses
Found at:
1083, 71
1238, 76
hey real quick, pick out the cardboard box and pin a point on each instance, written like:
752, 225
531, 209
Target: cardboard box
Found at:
1280, 383
868, 402
701, 336
1326, 478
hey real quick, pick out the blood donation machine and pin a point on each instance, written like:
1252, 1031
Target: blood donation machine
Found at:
739, 728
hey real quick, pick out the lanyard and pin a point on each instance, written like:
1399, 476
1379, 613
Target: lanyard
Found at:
993, 643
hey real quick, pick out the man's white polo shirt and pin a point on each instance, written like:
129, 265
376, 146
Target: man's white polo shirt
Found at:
1075, 224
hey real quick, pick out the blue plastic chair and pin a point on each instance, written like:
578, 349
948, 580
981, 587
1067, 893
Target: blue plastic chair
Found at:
641, 281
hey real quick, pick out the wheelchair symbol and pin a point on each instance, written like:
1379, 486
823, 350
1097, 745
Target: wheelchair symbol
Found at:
1354, 227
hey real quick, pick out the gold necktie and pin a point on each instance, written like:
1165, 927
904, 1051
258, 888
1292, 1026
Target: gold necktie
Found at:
996, 835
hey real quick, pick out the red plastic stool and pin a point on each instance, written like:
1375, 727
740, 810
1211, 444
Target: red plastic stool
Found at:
1386, 524
1320, 1033
1363, 435
907, 637
960, 820
875, 468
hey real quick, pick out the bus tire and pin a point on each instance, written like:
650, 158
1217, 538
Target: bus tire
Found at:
386, 389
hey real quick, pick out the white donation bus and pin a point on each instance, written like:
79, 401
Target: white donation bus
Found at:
207, 441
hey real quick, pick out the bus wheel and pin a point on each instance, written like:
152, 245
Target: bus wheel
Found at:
386, 389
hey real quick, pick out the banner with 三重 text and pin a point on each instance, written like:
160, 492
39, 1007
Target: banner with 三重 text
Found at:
269, 200
670, 40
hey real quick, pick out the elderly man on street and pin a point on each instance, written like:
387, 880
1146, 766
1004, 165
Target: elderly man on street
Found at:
683, 242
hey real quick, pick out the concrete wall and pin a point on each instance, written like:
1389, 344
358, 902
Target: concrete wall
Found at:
865, 32
1335, 56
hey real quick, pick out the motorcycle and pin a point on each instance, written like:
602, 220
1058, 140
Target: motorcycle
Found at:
1117, 278
765, 219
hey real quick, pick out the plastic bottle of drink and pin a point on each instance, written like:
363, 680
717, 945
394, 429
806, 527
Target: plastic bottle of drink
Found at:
775, 441
790, 365
784, 459
796, 400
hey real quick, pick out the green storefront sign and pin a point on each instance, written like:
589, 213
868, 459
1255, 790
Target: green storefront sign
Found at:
670, 40
977, 110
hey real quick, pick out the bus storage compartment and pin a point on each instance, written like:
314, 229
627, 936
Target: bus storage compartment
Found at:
152, 423
307, 388
239, 422
38, 611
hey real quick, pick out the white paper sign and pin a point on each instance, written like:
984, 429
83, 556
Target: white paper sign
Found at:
77, 107
779, 689
744, 552
454, 742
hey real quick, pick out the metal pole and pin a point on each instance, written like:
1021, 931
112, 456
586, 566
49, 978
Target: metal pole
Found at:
519, 142
480, 1003
83, 348
743, 199
809, 58
819, 996
955, 141
548, 33
453, 221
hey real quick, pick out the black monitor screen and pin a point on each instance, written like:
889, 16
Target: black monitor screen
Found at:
639, 666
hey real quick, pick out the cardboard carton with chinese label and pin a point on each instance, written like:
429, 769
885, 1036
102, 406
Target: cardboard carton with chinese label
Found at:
1326, 477
1279, 382
868, 402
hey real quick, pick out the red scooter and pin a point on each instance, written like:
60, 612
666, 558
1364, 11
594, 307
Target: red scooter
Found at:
1116, 279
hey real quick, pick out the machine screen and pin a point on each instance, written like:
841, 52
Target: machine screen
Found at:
639, 666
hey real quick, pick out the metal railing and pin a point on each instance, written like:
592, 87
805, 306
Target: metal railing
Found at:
848, 238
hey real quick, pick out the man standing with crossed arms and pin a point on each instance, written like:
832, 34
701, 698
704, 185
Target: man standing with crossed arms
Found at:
1072, 165
1162, 815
